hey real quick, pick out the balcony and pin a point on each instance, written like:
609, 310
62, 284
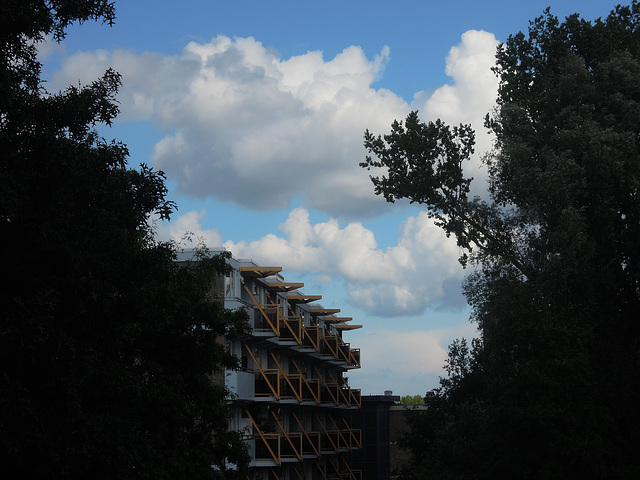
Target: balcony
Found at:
290, 386
311, 337
344, 351
340, 440
311, 444
354, 357
265, 319
348, 475
267, 383
290, 329
267, 447
291, 445
310, 390
333, 346
329, 346
329, 393
281, 386
355, 397
355, 438
274, 383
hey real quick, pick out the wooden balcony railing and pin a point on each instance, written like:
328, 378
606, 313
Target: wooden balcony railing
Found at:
310, 386
311, 390
267, 383
345, 475
329, 346
340, 469
268, 447
329, 393
355, 397
292, 448
354, 357
340, 440
265, 318
290, 384
355, 438
311, 443
343, 351
311, 337
334, 346
291, 329
267, 444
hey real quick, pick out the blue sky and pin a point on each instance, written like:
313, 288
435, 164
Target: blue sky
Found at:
256, 110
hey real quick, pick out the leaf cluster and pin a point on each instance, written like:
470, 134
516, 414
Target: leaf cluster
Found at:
411, 399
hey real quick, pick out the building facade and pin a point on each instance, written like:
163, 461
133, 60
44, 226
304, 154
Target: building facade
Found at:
291, 399
373, 420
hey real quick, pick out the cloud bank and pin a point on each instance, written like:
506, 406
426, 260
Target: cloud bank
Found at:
245, 126
400, 280
412, 359
242, 125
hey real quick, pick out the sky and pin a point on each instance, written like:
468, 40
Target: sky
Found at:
256, 110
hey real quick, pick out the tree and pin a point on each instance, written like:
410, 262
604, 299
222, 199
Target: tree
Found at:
556, 284
444, 438
411, 399
108, 348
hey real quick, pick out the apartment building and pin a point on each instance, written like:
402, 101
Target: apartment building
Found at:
291, 398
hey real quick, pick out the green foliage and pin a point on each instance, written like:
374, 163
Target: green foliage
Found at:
111, 354
411, 399
552, 390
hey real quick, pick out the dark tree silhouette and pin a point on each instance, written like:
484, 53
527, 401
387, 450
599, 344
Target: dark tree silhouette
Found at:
108, 349
556, 285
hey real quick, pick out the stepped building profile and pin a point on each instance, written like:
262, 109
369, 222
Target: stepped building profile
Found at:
291, 399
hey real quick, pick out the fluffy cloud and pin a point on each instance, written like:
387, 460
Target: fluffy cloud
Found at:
245, 126
187, 231
470, 97
403, 279
417, 358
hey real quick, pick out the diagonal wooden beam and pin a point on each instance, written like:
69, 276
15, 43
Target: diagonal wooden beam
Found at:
275, 456
335, 447
304, 379
298, 474
315, 342
304, 432
339, 430
358, 441
336, 400
286, 377
334, 351
276, 392
321, 471
286, 435
264, 314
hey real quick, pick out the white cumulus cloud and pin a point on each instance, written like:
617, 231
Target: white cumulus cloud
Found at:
246, 126
187, 231
409, 358
469, 98
403, 279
